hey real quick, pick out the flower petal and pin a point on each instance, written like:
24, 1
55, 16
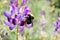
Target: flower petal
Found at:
27, 12
11, 26
6, 22
21, 18
14, 21
12, 8
26, 7
9, 19
56, 29
21, 28
56, 24
29, 25
7, 14
21, 23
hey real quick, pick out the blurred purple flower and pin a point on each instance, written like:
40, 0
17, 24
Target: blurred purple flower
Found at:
43, 12
6, 35
57, 24
43, 21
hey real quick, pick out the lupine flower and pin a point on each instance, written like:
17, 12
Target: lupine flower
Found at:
57, 24
42, 20
15, 17
42, 12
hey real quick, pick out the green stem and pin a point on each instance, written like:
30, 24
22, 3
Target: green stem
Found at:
17, 33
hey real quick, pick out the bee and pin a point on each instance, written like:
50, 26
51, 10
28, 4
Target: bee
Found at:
27, 20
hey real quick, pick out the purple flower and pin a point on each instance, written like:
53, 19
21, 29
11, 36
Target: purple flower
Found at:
14, 17
26, 12
57, 24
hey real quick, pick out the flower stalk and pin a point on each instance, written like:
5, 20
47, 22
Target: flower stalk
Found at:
43, 20
17, 31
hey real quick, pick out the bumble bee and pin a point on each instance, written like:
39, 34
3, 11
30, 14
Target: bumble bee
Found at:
29, 19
